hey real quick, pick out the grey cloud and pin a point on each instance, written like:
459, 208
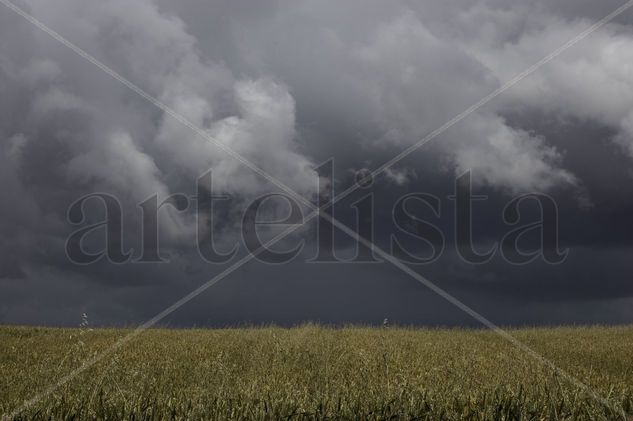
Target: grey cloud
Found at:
393, 75
289, 85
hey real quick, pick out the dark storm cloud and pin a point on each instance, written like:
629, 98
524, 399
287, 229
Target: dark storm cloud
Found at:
290, 85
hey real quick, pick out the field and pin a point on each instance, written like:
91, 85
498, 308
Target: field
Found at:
313, 372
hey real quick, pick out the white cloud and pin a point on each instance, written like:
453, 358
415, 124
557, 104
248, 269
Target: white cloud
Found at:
112, 139
512, 159
400, 176
400, 75
590, 81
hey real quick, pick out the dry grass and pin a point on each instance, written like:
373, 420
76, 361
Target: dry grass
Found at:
313, 372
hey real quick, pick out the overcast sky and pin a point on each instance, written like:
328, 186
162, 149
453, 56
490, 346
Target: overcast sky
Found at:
289, 85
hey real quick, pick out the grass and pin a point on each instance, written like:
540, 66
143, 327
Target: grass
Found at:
314, 372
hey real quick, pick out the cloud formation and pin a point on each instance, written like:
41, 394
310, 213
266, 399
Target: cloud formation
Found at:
288, 85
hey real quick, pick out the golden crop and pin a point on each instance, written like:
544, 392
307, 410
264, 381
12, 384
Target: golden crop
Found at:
314, 372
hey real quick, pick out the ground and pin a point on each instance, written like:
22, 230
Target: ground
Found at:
314, 372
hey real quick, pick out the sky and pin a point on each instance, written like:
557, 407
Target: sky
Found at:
293, 87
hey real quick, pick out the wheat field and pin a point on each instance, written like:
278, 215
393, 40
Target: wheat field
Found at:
315, 372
